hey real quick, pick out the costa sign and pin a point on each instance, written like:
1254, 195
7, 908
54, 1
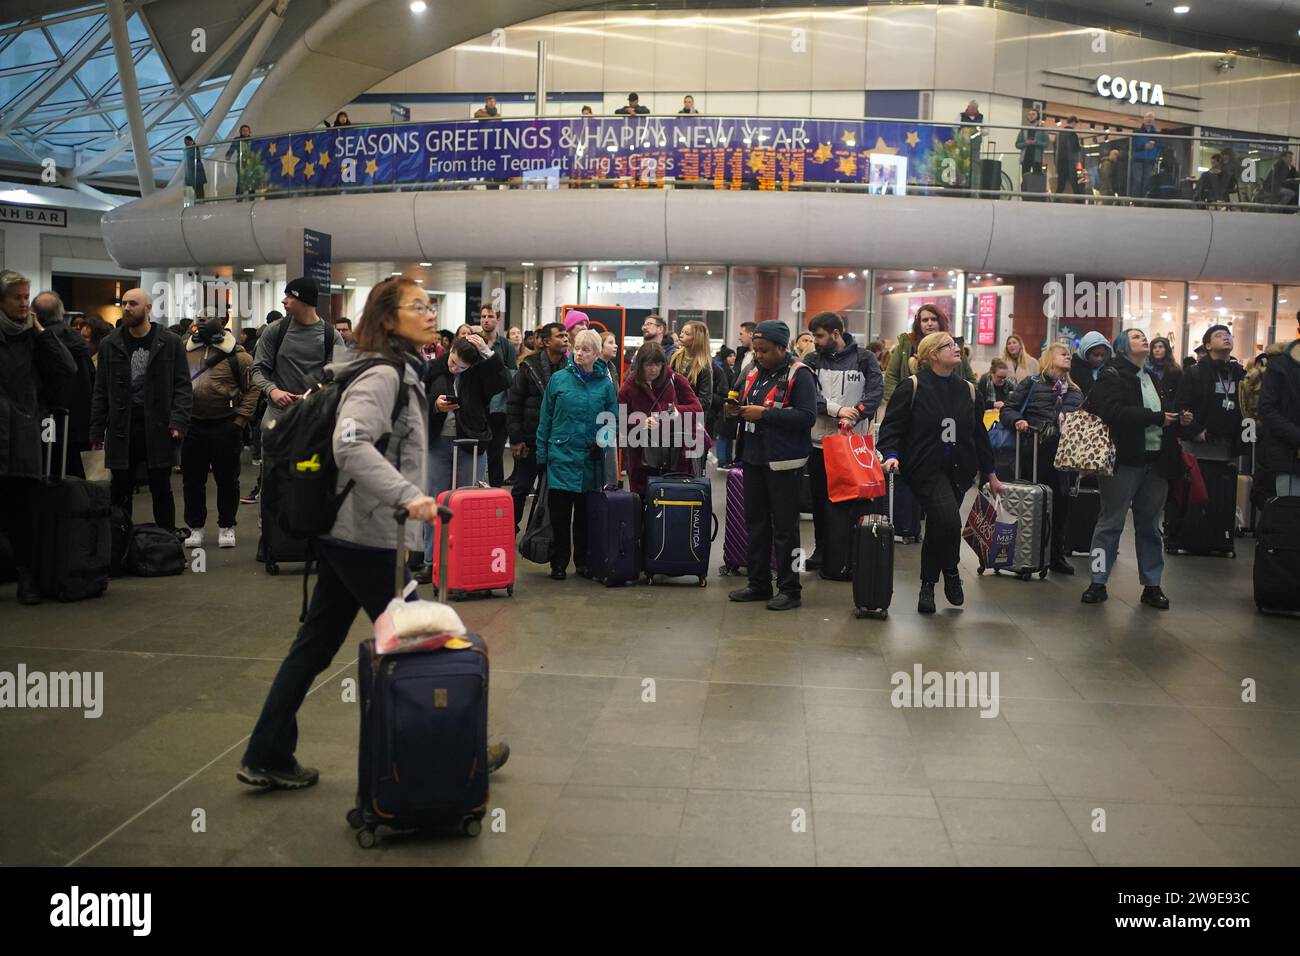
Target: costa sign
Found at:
1134, 91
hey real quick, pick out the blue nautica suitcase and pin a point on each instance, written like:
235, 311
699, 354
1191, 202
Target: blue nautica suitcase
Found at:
679, 527
614, 536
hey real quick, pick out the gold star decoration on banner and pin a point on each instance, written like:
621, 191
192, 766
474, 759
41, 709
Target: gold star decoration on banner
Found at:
288, 162
848, 165
849, 139
880, 147
912, 138
823, 153
309, 145
309, 170
271, 149
756, 162
372, 167
324, 160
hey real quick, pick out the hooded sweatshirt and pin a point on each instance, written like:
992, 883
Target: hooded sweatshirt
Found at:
1080, 371
851, 378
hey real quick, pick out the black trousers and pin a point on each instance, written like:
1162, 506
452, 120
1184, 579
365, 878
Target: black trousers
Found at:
16, 516
160, 480
211, 446
352, 578
940, 498
496, 449
772, 512
527, 474
568, 510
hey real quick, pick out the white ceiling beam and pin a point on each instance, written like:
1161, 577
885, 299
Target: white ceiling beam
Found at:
130, 93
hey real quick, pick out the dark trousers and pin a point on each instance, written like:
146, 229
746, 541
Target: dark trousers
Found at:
820, 502
772, 512
160, 479
568, 508
211, 446
16, 517
496, 449
527, 474
941, 546
352, 578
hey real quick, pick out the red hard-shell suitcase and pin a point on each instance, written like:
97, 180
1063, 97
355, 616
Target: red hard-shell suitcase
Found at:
481, 541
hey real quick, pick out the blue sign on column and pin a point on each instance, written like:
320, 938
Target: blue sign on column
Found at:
316, 266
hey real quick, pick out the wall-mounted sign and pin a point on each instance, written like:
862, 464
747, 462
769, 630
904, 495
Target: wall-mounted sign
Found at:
1132, 91
987, 331
400, 113
34, 215
623, 287
316, 265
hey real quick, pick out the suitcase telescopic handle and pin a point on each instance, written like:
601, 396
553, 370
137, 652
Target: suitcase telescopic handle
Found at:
456, 445
401, 515
1037, 437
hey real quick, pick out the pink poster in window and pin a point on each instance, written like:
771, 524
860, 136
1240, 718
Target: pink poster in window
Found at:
988, 318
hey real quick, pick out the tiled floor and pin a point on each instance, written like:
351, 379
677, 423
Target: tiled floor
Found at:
1121, 737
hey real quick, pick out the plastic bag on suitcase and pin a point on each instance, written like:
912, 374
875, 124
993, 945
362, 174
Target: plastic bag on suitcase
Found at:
991, 532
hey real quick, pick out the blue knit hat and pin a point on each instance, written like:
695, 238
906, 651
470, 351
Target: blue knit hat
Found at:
778, 333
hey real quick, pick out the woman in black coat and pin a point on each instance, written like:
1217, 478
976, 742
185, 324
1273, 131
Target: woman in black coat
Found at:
1164, 368
933, 435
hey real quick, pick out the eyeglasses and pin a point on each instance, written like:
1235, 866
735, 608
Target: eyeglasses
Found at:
419, 308
950, 345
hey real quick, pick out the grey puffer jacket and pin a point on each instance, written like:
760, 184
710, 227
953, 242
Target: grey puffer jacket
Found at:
383, 481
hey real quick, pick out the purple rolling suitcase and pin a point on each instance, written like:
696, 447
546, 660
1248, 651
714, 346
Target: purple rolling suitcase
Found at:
735, 538
614, 536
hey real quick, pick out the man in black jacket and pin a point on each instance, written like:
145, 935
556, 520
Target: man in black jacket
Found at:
850, 386
141, 405
33, 363
1142, 428
1209, 391
48, 308
1279, 421
776, 410
524, 405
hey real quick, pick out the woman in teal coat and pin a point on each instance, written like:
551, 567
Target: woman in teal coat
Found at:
566, 447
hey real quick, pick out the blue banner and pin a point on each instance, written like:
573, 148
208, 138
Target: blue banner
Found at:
731, 153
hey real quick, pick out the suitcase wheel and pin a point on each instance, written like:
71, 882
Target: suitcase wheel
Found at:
510, 590
366, 838
1042, 575
471, 826
355, 820
704, 582
650, 579
980, 569
272, 568
1026, 575
1232, 554
723, 570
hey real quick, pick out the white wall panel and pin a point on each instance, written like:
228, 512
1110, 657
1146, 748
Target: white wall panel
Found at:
732, 59
900, 48
629, 52
1011, 54
832, 105
519, 54
786, 104
578, 51
733, 104
681, 52
436, 74
1050, 45
963, 48
784, 56
1245, 94
839, 49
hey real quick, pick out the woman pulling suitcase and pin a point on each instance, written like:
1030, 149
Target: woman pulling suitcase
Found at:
933, 434
357, 557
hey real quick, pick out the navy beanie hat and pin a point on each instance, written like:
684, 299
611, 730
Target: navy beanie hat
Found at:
778, 333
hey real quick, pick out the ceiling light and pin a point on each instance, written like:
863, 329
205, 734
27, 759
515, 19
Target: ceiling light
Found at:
889, 288
528, 265
419, 6
1182, 8
709, 272
394, 273
1218, 298
1281, 301
426, 264
688, 268
1193, 297
1223, 311
853, 275
350, 279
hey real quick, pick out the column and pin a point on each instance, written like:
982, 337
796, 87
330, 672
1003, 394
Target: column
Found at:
448, 279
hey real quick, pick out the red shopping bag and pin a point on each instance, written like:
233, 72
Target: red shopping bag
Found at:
852, 469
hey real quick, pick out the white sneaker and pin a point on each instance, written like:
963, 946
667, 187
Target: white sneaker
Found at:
226, 539
195, 540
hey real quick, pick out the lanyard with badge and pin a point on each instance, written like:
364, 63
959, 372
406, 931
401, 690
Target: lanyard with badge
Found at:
1225, 387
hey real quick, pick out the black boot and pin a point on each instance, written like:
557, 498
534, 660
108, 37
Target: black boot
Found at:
952, 588
28, 592
925, 603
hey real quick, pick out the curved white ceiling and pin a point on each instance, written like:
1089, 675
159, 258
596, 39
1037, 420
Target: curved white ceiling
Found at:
749, 228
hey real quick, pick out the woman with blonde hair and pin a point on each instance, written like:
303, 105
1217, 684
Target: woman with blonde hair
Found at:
1020, 364
1039, 404
934, 436
693, 361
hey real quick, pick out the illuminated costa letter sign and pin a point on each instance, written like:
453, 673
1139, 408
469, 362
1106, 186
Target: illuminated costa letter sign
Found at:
1134, 91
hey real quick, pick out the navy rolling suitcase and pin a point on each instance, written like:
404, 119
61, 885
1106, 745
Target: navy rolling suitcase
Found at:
614, 536
679, 527
1208, 528
422, 760
1277, 557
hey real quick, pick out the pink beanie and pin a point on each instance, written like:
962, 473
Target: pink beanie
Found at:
573, 318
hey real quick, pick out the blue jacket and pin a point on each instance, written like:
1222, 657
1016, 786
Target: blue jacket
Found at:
567, 429
1143, 153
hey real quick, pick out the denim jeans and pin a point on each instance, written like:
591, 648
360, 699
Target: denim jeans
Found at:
1141, 488
722, 448
352, 578
439, 478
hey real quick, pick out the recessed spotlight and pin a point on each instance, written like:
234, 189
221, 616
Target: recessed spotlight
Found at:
1182, 8
419, 282
889, 288
419, 6
350, 279
426, 264
688, 268
708, 272
1193, 297
528, 265
248, 270
394, 273
853, 275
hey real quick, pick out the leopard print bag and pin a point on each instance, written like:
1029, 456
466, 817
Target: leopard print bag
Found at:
1085, 445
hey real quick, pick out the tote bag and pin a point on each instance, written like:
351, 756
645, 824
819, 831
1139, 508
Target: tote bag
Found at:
853, 469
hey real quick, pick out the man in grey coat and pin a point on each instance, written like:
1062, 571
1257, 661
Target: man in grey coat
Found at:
141, 406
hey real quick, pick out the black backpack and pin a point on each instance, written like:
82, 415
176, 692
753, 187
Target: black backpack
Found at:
298, 453
154, 552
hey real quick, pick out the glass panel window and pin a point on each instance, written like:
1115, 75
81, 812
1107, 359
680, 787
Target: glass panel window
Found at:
150, 72
15, 85
838, 290
695, 293
67, 93
989, 301
68, 34
1245, 309
29, 48
758, 294
899, 294
559, 288
633, 285
98, 72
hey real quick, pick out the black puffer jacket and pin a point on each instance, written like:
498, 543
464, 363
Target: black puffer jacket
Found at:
1116, 399
31, 366
1203, 389
915, 425
1279, 413
524, 399
475, 388
1041, 408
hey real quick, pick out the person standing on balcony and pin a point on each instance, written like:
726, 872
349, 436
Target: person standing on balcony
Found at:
688, 106
1032, 143
1068, 152
239, 151
196, 176
973, 118
1146, 151
488, 110
633, 107
1110, 173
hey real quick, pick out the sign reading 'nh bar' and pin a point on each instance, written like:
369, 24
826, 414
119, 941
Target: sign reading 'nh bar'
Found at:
34, 215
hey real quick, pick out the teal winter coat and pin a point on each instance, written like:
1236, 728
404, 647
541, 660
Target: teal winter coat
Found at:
570, 418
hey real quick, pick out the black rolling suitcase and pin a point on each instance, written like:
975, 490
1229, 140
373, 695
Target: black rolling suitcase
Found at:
274, 546
422, 760
73, 543
837, 548
1277, 557
1209, 528
873, 562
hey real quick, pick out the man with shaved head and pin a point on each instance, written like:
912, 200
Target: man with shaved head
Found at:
141, 405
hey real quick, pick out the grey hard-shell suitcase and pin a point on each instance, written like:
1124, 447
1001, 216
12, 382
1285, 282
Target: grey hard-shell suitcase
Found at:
1030, 503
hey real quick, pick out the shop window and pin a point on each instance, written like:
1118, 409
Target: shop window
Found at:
898, 294
1246, 309
838, 290
632, 285
990, 299
695, 293
1286, 327
759, 293
1156, 307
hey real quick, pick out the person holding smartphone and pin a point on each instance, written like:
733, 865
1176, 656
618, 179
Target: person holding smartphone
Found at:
459, 386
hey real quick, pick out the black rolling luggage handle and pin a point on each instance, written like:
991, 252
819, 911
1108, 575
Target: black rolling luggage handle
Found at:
399, 564
48, 477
